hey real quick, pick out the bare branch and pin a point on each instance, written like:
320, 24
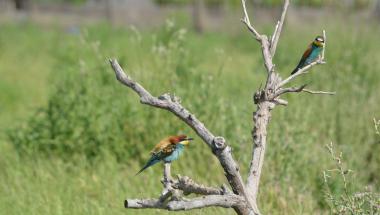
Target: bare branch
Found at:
266, 99
302, 71
217, 144
274, 32
247, 22
289, 90
188, 186
324, 47
278, 29
167, 102
278, 101
244, 197
144, 203
318, 92
305, 69
300, 89
226, 201
167, 192
263, 39
184, 183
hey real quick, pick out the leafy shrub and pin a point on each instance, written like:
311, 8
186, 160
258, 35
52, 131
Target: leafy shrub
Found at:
89, 113
339, 191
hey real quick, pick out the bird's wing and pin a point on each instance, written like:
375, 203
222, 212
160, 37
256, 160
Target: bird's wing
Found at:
164, 146
169, 149
307, 53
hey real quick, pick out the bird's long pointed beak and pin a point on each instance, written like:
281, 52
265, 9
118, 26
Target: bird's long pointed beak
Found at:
187, 141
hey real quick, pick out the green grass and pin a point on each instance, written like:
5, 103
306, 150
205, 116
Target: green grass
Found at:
78, 152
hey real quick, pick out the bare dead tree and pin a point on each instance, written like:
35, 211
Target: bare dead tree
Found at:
243, 195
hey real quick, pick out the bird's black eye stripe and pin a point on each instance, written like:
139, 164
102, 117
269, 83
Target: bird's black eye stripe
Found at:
320, 39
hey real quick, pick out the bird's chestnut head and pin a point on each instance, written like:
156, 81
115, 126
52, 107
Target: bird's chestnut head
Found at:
181, 139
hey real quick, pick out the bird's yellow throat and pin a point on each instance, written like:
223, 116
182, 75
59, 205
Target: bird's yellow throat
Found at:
318, 43
185, 142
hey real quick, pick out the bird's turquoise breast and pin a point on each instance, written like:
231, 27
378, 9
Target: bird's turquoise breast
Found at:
175, 154
314, 54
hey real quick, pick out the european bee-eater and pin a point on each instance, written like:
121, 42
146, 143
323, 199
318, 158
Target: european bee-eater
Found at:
167, 150
311, 54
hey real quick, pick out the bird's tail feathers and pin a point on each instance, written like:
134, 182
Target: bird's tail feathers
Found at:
295, 70
153, 160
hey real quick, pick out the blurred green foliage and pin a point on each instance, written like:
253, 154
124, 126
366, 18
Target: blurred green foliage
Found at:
356, 4
271, 3
78, 153
350, 201
75, 2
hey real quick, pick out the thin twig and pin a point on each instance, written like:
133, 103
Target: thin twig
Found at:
278, 29
339, 165
305, 69
300, 89
289, 90
247, 22
324, 47
302, 71
318, 92
274, 32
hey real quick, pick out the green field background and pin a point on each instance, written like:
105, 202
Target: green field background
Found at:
72, 138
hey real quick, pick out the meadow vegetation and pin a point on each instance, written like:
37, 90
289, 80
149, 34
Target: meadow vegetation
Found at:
72, 138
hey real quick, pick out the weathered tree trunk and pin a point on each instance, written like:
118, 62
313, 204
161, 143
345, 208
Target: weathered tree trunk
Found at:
243, 197
198, 15
259, 135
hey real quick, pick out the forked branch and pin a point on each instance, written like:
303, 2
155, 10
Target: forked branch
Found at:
306, 69
278, 29
243, 198
218, 145
247, 22
266, 99
226, 201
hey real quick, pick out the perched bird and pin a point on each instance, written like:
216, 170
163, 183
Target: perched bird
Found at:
167, 150
311, 53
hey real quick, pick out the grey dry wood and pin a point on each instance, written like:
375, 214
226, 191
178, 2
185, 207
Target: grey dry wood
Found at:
217, 144
244, 196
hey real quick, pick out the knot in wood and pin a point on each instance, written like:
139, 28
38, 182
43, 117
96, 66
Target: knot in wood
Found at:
184, 180
219, 143
165, 96
190, 117
271, 106
258, 96
225, 189
175, 99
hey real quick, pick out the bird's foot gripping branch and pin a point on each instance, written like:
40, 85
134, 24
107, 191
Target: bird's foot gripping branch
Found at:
243, 195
